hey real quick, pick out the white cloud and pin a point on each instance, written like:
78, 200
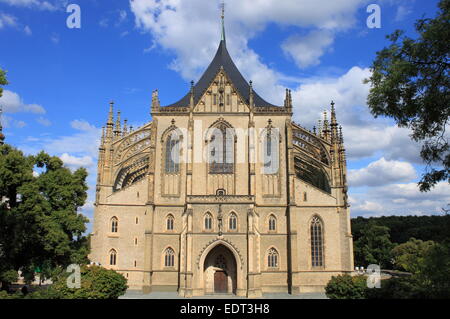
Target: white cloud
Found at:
27, 30
12, 103
382, 172
180, 26
307, 50
82, 125
43, 121
402, 12
37, 4
75, 162
400, 199
7, 20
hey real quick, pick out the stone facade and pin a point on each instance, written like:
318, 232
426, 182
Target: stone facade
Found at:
223, 193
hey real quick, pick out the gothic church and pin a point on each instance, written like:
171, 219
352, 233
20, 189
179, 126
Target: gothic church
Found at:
221, 192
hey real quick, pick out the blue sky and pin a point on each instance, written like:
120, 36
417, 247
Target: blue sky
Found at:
62, 79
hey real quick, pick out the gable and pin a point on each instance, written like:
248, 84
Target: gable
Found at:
221, 97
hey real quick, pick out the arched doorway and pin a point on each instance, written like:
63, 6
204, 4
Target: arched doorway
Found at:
220, 271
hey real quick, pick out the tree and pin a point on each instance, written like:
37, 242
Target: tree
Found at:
3, 80
96, 283
40, 225
346, 287
374, 246
410, 83
410, 256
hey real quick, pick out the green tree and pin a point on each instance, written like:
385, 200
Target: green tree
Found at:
3, 80
410, 256
40, 225
373, 247
346, 287
96, 283
410, 83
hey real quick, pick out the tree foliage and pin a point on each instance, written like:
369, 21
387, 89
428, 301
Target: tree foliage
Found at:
40, 225
96, 283
402, 228
346, 287
410, 256
410, 83
374, 247
3, 80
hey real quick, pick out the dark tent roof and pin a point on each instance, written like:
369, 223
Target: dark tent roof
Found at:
222, 59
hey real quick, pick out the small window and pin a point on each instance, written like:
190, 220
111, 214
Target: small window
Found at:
169, 222
208, 221
272, 223
137, 220
221, 192
305, 197
214, 99
233, 222
112, 257
169, 258
135, 241
228, 99
272, 258
114, 225
135, 263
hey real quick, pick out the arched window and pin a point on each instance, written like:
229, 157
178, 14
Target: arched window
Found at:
272, 258
112, 257
169, 257
114, 225
169, 222
208, 221
172, 160
233, 221
221, 149
270, 152
316, 242
272, 223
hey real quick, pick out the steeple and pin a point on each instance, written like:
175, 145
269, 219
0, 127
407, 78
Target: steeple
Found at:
223, 23
222, 61
110, 123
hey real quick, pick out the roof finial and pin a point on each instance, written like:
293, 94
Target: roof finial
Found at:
223, 22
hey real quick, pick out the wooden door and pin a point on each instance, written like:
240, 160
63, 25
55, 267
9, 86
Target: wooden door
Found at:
220, 282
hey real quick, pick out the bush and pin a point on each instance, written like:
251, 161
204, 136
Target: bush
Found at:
96, 283
346, 287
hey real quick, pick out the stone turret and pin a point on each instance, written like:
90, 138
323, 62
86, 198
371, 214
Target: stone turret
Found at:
155, 101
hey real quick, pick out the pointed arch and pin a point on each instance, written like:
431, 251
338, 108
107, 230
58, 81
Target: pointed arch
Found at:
221, 138
232, 221
114, 222
316, 234
170, 221
112, 257
208, 221
171, 141
169, 257
272, 258
270, 139
272, 223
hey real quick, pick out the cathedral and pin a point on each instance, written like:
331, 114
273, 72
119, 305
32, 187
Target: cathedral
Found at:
222, 193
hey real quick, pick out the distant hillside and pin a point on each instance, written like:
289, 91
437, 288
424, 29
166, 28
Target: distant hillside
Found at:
402, 228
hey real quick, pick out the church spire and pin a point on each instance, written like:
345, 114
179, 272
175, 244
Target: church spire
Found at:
223, 23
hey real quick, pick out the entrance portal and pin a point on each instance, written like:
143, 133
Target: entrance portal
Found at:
220, 271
